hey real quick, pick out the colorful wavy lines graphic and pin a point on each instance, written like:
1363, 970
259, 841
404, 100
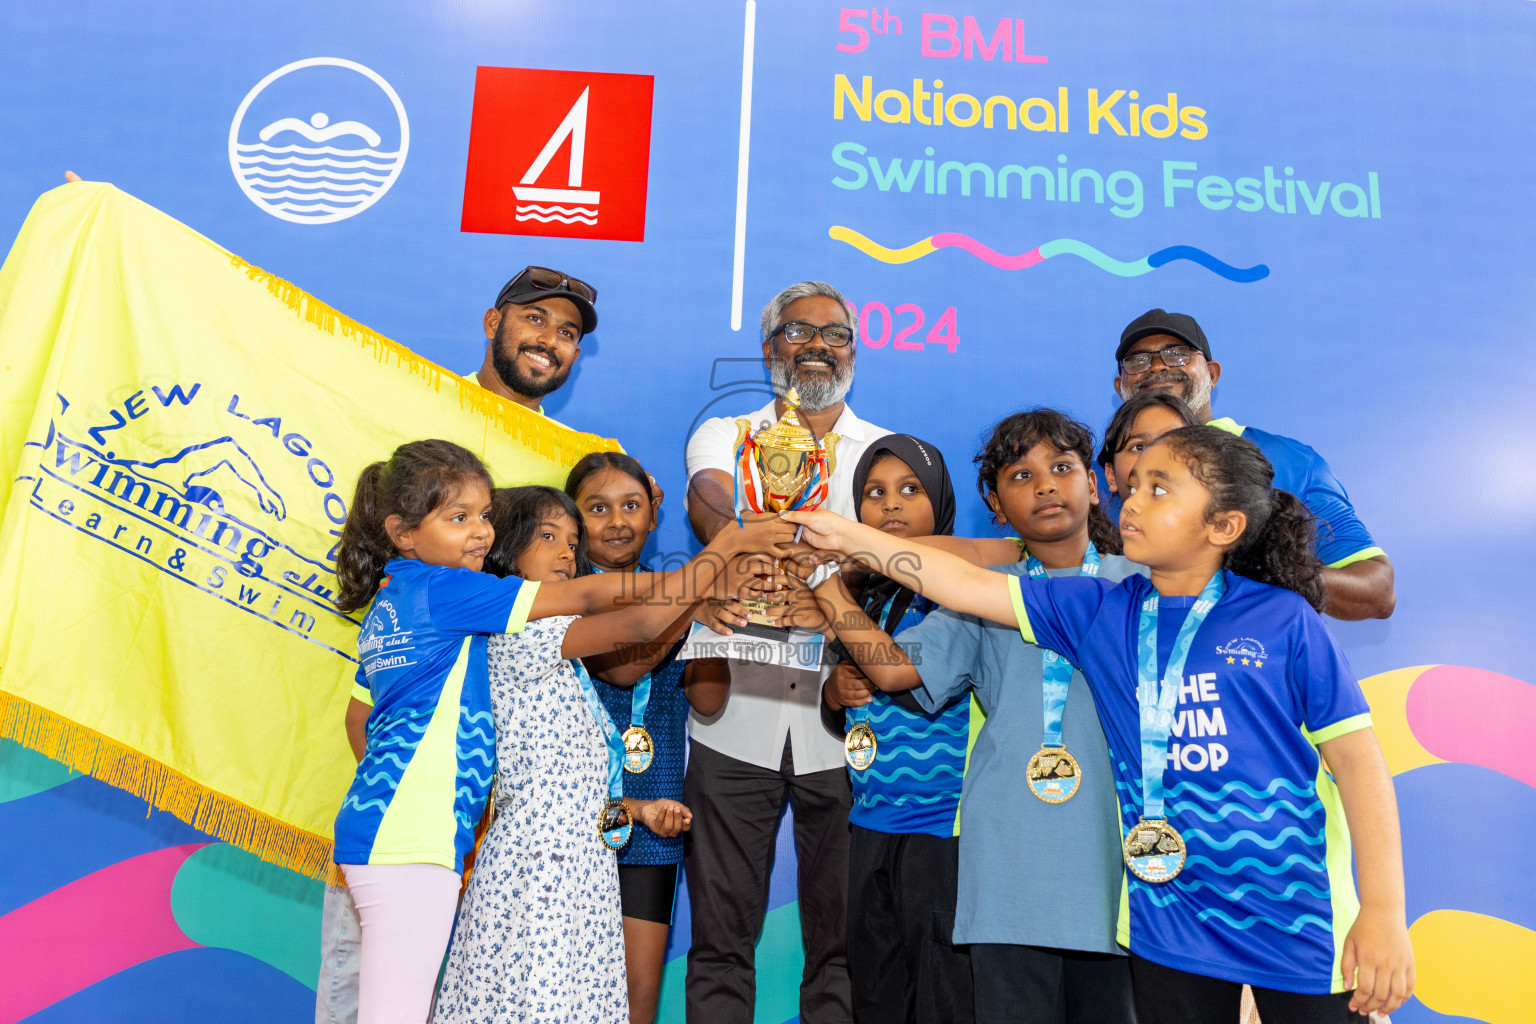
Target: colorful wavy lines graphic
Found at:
1059, 247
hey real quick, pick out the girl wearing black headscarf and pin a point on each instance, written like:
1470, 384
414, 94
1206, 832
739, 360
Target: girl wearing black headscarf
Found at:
906, 765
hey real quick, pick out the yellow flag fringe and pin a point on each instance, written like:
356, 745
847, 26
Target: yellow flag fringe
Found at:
239, 824
539, 433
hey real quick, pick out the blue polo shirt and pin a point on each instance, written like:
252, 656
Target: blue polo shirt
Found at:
1342, 538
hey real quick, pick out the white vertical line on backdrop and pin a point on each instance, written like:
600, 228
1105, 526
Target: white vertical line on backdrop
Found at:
739, 265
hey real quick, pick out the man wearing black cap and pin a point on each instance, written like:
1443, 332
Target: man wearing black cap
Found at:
1169, 351
534, 332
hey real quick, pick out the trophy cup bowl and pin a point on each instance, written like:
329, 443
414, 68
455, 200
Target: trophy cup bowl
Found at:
781, 468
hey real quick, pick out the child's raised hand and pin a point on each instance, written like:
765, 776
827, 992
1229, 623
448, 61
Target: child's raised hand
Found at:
666, 818
757, 534
1378, 962
822, 529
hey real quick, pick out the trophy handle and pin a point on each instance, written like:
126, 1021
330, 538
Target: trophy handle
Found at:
829, 445
743, 428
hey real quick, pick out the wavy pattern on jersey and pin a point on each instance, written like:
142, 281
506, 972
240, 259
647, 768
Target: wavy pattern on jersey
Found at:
906, 771
389, 757
1244, 923
1189, 807
364, 805
1057, 247
1231, 788
1249, 836
1193, 885
1258, 865
933, 751
388, 780
870, 798
1157, 896
881, 712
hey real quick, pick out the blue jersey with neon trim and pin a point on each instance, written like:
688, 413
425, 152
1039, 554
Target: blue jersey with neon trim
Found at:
1341, 537
1266, 896
913, 788
431, 755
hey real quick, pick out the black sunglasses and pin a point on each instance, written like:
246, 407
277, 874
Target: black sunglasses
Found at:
545, 279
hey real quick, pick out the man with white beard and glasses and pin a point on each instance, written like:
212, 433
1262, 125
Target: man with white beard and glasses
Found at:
768, 742
1169, 351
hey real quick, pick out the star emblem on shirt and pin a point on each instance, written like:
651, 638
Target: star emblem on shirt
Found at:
1245, 661
1231, 660
1257, 663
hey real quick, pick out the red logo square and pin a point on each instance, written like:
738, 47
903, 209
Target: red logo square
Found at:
563, 153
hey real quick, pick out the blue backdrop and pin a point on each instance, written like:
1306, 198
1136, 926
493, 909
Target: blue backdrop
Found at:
1386, 322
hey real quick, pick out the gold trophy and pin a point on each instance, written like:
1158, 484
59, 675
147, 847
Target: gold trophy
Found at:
780, 469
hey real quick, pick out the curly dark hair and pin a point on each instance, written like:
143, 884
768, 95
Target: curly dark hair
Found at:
516, 512
1015, 436
1276, 546
420, 476
1117, 434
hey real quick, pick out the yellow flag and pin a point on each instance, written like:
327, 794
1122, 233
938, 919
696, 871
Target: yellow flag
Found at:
180, 433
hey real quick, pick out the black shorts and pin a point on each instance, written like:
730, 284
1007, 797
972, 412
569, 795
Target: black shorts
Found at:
648, 892
1166, 995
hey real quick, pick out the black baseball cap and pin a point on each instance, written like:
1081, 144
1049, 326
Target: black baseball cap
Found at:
533, 283
1160, 321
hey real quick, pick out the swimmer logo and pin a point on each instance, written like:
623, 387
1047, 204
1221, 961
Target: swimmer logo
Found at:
318, 140
562, 153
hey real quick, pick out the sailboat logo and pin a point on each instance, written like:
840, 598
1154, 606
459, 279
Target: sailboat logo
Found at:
558, 153
318, 140
583, 208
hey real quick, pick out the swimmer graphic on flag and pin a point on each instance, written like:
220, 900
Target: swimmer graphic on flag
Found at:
171, 505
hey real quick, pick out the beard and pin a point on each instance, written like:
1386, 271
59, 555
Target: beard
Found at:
817, 391
512, 375
1194, 390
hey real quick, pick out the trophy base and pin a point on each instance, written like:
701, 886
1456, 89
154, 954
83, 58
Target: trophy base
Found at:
764, 631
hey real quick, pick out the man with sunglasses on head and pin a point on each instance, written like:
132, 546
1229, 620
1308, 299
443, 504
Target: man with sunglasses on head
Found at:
1162, 350
768, 742
534, 331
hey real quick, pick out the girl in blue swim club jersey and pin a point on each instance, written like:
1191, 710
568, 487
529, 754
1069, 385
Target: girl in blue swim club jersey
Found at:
1244, 760
411, 552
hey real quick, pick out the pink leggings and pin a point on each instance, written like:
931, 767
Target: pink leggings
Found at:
406, 912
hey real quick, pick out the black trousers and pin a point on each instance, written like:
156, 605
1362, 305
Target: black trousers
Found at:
1033, 985
903, 966
728, 856
1165, 995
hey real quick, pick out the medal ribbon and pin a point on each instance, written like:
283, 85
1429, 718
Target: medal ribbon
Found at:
1056, 671
610, 733
859, 715
1157, 705
640, 695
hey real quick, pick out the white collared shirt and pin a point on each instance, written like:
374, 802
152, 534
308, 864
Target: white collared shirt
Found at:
765, 703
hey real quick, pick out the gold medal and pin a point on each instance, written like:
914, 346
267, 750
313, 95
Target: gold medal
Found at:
859, 747
1053, 775
639, 749
1154, 850
614, 824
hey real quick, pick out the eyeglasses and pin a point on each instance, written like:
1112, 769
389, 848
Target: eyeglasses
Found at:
797, 333
543, 278
1172, 356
